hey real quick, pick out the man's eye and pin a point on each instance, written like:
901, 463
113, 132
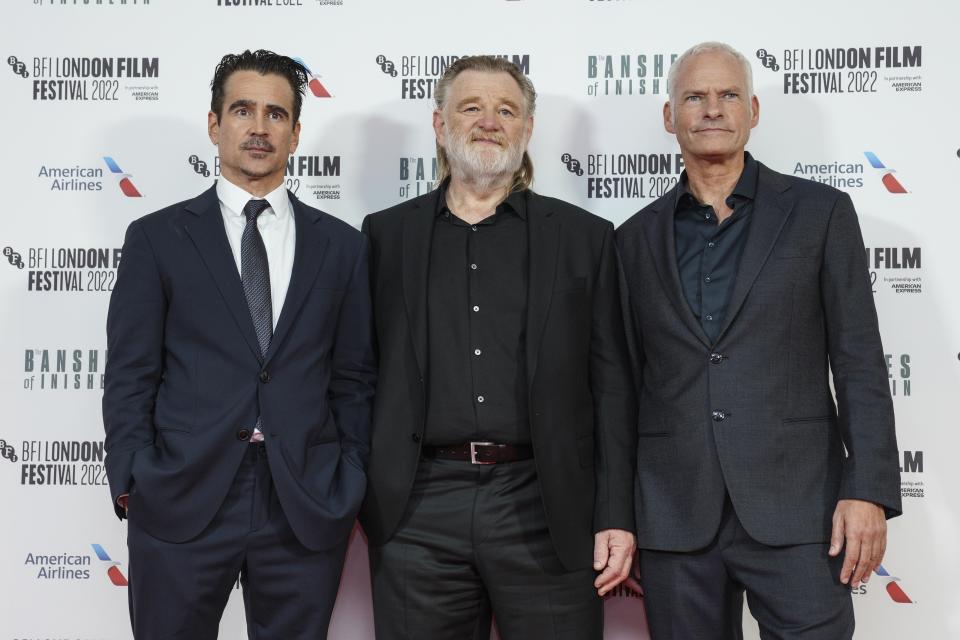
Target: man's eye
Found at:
506, 112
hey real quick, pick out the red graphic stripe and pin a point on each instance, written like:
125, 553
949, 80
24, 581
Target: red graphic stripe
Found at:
318, 89
897, 594
128, 189
892, 184
116, 577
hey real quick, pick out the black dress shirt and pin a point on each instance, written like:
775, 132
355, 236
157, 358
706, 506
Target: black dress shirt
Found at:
477, 308
708, 253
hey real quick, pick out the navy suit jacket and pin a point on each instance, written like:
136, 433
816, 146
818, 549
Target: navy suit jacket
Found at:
185, 379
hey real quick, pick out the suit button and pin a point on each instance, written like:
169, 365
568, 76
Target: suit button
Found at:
415, 437
243, 434
716, 358
264, 376
718, 416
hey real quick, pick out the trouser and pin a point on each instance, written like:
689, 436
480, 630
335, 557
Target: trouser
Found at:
793, 591
179, 590
474, 542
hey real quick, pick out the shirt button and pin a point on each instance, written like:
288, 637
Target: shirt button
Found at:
473, 266
479, 398
708, 279
473, 227
711, 244
476, 352
476, 308
708, 318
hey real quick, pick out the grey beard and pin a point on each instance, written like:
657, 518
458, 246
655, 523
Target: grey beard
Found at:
481, 169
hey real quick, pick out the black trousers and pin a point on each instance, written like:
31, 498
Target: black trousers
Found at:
179, 590
794, 592
474, 541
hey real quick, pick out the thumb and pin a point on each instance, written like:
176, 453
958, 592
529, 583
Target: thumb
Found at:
601, 551
836, 535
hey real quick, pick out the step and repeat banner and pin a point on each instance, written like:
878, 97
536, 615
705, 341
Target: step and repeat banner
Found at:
105, 106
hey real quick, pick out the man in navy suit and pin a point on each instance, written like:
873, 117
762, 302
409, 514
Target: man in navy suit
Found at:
240, 381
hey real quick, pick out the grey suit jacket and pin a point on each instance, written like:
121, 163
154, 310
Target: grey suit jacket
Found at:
753, 414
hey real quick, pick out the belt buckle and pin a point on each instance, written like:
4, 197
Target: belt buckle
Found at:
473, 452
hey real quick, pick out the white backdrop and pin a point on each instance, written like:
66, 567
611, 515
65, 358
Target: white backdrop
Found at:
87, 80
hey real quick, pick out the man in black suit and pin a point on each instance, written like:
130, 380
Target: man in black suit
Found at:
240, 382
746, 288
501, 470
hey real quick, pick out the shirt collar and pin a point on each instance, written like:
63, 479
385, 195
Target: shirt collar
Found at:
515, 202
234, 199
746, 186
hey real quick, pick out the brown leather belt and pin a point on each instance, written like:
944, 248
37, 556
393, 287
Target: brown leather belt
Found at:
479, 452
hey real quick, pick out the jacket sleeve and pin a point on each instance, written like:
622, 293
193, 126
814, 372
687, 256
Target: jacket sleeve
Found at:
864, 406
135, 326
611, 384
354, 373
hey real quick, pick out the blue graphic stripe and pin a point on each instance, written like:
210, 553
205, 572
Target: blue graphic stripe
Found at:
300, 60
880, 571
112, 165
874, 160
100, 552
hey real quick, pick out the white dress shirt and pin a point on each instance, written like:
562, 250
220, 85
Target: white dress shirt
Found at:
277, 228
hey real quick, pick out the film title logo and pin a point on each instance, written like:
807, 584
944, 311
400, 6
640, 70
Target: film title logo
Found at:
72, 463
199, 166
911, 463
628, 74
847, 69
74, 566
895, 269
76, 79
418, 175
626, 175
8, 451
419, 74
315, 175
64, 369
898, 372
77, 269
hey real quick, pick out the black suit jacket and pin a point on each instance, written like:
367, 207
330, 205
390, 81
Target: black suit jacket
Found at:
753, 414
580, 391
185, 375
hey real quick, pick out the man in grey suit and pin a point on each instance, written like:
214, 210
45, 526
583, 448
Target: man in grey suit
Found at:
746, 289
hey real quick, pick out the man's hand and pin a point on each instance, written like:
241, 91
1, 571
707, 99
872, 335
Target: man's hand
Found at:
862, 526
122, 501
612, 556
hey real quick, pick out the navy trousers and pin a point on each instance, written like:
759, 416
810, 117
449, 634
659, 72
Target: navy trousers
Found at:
179, 590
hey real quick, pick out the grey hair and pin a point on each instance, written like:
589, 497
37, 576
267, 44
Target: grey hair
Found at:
523, 177
710, 47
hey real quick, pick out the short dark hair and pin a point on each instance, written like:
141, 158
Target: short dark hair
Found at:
263, 62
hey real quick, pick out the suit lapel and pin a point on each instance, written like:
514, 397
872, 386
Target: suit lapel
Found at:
205, 229
310, 249
417, 237
543, 240
663, 248
770, 211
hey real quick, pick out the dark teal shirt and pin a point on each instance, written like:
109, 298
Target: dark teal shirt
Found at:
708, 253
